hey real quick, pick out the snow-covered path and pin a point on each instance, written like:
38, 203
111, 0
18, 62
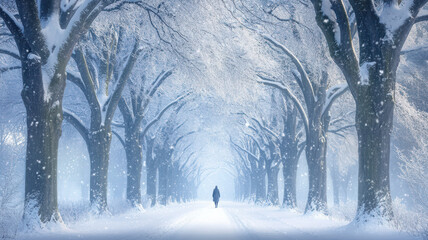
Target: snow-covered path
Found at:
200, 220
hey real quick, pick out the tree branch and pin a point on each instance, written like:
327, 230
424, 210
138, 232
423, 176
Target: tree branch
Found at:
77, 123
5, 69
143, 133
15, 28
332, 94
28, 12
245, 150
341, 128
10, 53
160, 78
421, 18
76, 80
307, 89
343, 53
119, 137
124, 108
116, 124
288, 93
121, 83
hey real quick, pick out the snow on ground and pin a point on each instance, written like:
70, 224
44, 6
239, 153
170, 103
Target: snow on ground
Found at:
200, 220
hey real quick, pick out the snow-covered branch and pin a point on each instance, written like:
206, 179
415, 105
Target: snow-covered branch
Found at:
245, 150
10, 53
32, 28
5, 69
117, 124
182, 137
332, 94
307, 89
288, 93
14, 27
341, 128
119, 138
127, 114
76, 80
158, 81
342, 52
74, 120
421, 18
146, 129
117, 94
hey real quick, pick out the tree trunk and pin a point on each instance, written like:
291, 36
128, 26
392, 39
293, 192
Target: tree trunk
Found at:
134, 156
261, 185
99, 151
151, 183
272, 193
289, 171
290, 157
316, 152
315, 155
163, 183
336, 189
44, 119
374, 119
152, 171
253, 185
247, 188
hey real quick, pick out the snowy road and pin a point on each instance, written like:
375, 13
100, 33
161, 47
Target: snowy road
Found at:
200, 220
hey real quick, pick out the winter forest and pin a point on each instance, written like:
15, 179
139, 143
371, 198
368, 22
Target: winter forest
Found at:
119, 118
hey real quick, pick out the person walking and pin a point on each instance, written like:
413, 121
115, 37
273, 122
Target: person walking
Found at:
216, 196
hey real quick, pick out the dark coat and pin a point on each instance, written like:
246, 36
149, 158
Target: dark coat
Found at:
216, 194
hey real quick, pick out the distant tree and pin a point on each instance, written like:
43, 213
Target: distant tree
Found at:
135, 134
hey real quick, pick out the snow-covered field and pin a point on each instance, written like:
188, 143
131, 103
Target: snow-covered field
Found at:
200, 220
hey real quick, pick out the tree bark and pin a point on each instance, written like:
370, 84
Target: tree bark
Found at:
374, 119
290, 157
260, 185
99, 151
316, 150
316, 146
134, 157
289, 171
336, 187
151, 183
272, 193
163, 182
380, 47
152, 171
44, 119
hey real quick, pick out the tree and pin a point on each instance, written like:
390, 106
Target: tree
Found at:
45, 36
102, 83
383, 27
271, 143
316, 120
133, 109
256, 157
160, 160
132, 144
242, 174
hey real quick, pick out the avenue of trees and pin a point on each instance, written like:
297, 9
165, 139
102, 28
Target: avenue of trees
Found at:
299, 80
